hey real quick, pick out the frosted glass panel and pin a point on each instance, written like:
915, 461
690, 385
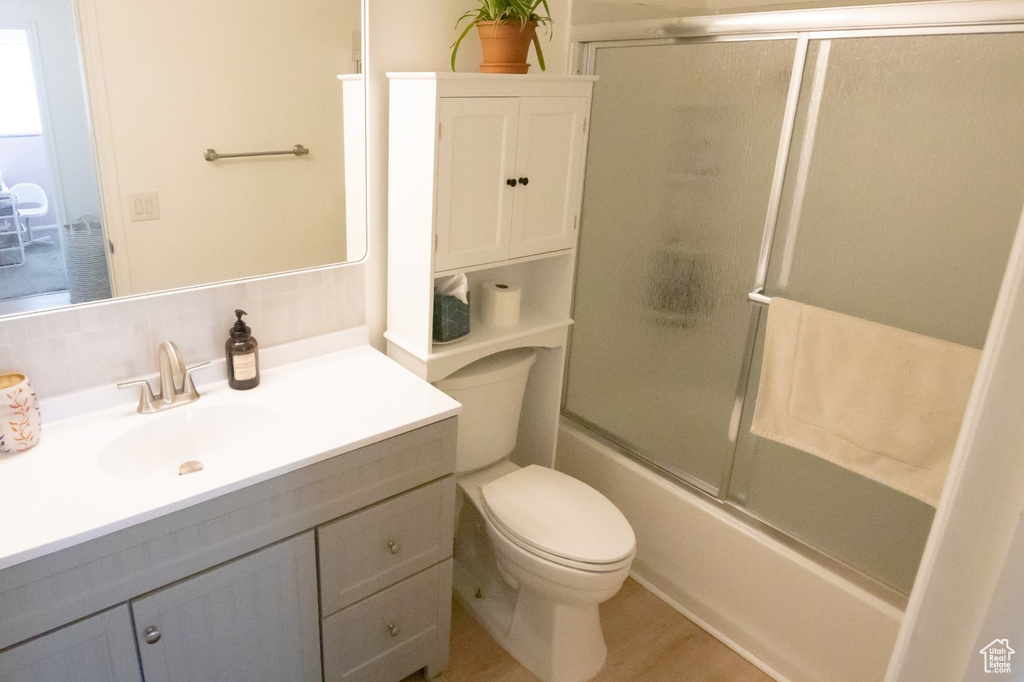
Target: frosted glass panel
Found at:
903, 192
683, 143
905, 182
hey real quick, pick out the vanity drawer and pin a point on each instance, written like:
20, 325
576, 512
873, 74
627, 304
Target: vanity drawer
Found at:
365, 552
391, 634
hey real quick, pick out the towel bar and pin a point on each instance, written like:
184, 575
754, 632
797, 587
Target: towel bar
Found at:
297, 150
756, 296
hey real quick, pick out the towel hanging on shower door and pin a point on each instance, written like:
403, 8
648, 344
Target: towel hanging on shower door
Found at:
877, 400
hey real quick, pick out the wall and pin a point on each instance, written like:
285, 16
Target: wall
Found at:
65, 101
82, 347
416, 37
169, 80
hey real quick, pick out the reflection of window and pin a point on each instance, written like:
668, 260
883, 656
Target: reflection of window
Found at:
19, 108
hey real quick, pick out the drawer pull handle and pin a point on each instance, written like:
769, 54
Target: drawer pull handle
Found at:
394, 547
152, 635
394, 630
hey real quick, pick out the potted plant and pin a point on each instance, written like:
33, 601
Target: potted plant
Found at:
506, 29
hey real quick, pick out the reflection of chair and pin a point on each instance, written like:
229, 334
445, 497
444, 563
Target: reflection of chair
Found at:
12, 250
32, 203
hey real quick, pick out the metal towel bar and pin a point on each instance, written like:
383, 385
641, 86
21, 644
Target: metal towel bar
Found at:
756, 296
297, 150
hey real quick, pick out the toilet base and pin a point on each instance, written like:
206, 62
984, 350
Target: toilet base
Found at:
556, 642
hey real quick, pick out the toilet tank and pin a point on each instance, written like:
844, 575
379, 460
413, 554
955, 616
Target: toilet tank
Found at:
491, 392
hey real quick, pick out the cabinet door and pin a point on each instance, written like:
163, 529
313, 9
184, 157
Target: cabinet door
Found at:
550, 158
475, 160
254, 619
98, 649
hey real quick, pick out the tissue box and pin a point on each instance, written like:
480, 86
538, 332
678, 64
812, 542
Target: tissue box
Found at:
451, 318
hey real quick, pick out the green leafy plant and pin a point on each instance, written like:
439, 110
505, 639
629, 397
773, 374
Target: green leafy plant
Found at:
504, 11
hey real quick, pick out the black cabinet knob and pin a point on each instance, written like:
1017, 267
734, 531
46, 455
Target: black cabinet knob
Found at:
511, 182
524, 181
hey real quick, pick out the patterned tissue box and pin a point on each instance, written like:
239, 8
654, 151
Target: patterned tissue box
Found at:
451, 318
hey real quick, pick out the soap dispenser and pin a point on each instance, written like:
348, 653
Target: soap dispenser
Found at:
243, 356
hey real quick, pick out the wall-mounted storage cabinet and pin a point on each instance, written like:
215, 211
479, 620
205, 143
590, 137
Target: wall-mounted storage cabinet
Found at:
485, 178
508, 174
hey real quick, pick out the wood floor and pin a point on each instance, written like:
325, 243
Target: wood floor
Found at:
648, 641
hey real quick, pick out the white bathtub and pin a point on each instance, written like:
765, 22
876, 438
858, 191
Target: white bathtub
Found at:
791, 616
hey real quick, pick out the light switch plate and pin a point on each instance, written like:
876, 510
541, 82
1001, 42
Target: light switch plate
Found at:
143, 206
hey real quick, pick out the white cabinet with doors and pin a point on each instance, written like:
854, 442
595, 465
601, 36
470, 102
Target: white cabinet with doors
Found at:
485, 178
508, 173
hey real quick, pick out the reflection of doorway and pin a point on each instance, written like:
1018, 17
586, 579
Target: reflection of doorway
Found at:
35, 277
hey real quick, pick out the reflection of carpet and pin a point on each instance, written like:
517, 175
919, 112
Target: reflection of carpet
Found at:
42, 272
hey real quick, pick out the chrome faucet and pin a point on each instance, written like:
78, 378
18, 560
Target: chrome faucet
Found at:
176, 385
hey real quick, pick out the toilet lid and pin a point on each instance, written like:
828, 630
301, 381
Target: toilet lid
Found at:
558, 515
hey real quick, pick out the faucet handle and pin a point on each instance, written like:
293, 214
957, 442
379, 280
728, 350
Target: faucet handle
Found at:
146, 398
188, 387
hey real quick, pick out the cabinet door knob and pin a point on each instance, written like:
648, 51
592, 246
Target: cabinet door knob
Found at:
152, 635
511, 182
394, 629
394, 547
524, 181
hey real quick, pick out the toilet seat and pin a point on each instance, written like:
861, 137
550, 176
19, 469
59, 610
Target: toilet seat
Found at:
559, 518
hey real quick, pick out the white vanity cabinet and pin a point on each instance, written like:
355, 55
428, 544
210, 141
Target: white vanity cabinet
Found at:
233, 588
96, 649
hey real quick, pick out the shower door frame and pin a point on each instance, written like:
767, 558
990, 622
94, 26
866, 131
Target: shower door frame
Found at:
803, 26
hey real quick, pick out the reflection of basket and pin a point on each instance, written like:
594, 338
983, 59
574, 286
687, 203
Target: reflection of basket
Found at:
85, 254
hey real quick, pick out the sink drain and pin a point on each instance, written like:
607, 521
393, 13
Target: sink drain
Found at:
190, 467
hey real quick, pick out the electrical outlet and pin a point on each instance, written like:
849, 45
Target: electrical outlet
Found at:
143, 206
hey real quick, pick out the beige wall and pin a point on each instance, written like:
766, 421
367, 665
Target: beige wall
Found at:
169, 80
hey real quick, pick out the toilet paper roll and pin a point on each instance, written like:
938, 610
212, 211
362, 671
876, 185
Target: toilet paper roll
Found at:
499, 304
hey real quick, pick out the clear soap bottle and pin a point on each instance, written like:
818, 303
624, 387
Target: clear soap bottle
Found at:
242, 356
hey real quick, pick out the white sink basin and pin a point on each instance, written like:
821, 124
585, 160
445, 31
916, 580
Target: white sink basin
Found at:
216, 437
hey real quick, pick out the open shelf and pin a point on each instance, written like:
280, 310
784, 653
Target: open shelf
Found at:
503, 263
535, 328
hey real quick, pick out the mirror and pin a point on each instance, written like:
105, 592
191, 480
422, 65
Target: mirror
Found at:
155, 85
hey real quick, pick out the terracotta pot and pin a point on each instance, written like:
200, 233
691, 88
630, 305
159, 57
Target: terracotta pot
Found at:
505, 45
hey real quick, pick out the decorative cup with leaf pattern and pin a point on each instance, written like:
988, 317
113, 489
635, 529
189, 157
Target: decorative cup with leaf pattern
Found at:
20, 421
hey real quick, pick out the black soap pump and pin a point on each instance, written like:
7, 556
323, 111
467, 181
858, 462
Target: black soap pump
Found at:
243, 356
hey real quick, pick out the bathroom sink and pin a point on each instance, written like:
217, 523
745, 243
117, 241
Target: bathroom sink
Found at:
197, 438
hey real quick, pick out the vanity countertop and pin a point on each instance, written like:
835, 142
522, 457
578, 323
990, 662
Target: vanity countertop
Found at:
56, 495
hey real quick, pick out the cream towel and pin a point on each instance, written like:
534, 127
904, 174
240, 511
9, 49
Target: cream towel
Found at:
880, 401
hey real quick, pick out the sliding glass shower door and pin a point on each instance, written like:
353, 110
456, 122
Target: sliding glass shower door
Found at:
902, 187
683, 142
902, 194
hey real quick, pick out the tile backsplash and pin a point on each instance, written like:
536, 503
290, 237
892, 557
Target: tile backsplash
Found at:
77, 348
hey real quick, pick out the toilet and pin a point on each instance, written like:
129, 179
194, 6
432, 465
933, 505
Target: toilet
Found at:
536, 550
